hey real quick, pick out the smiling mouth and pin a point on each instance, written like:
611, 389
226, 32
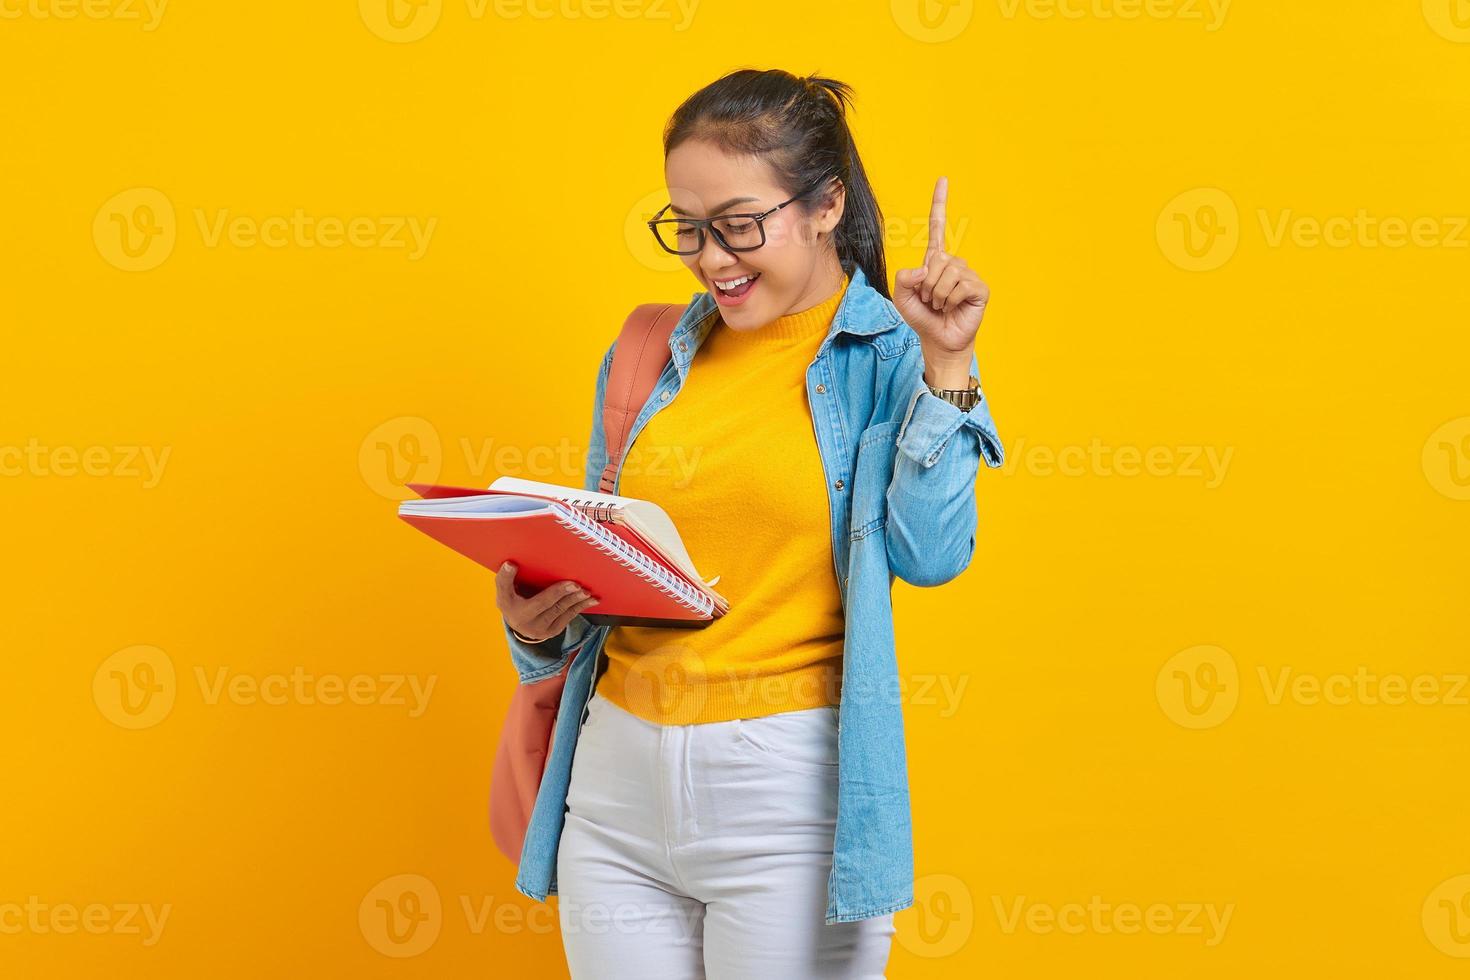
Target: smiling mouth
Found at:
736, 288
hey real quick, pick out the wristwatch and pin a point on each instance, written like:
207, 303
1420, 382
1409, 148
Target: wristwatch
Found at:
963, 398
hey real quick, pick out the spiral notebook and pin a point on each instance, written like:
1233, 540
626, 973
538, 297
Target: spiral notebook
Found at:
625, 551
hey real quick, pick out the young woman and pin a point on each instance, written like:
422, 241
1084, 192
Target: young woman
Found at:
732, 801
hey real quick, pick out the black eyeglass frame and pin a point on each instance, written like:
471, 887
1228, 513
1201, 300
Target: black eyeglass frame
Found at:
703, 224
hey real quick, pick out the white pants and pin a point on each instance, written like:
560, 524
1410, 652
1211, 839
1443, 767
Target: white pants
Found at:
702, 851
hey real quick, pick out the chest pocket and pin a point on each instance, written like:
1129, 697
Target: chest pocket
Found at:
876, 453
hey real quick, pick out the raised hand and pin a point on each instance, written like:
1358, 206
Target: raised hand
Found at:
944, 301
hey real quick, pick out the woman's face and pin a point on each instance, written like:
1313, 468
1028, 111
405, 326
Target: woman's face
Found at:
793, 271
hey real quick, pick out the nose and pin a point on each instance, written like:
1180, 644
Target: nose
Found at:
713, 258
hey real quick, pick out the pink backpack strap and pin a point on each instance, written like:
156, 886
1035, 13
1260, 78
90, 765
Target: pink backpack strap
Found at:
639, 357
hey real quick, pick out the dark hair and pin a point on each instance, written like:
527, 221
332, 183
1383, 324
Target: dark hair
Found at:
799, 127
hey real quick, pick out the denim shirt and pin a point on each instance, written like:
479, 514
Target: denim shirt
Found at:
901, 466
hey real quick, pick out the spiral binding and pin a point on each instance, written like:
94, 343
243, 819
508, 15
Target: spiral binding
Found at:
586, 527
596, 509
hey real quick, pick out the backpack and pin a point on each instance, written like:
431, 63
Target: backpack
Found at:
639, 357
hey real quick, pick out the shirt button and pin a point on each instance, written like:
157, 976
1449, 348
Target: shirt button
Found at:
839, 484
663, 396
683, 346
821, 389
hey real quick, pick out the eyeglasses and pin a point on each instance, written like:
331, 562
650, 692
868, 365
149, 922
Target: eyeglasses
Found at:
741, 232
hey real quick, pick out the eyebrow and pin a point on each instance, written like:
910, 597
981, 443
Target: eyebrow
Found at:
734, 200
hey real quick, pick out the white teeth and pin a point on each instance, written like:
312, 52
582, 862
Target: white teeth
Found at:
733, 283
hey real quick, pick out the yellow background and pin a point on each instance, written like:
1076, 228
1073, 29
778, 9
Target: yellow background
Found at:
1068, 764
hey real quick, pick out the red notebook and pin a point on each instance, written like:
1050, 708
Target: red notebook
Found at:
552, 539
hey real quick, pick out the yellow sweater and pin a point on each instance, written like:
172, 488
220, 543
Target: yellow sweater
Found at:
739, 435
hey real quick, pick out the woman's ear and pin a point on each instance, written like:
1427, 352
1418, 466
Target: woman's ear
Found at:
829, 215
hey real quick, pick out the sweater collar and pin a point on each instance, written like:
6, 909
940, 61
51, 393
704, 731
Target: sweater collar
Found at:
863, 311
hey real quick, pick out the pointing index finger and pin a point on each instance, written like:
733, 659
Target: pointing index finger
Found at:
936, 215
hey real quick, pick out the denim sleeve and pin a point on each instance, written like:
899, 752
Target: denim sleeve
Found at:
534, 661
931, 497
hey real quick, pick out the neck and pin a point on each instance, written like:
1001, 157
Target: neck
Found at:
826, 281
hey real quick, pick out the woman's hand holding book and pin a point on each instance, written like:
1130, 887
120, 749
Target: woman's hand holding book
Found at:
544, 614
